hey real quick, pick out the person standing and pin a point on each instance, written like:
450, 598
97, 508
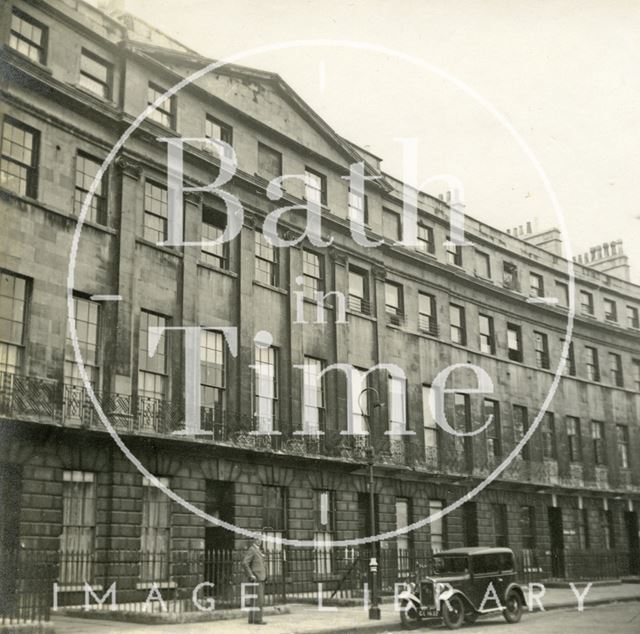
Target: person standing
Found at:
255, 566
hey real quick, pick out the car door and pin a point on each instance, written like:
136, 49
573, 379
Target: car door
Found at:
486, 569
505, 574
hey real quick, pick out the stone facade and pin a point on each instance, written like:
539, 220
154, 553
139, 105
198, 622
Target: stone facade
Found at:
43, 438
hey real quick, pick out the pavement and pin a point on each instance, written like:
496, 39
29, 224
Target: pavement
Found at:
306, 619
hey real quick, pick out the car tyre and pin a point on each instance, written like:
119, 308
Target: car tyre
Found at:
453, 612
409, 618
471, 617
513, 607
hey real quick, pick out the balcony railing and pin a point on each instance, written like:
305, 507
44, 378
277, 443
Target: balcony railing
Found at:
44, 400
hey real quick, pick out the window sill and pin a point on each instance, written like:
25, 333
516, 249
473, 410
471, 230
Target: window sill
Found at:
173, 132
363, 315
217, 269
426, 334
23, 58
153, 245
275, 289
85, 91
314, 302
95, 225
28, 200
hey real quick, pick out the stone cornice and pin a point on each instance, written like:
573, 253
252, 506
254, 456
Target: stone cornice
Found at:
128, 166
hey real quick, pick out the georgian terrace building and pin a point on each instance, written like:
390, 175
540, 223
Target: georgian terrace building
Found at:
77, 78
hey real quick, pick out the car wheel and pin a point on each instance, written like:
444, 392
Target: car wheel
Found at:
513, 607
471, 617
409, 617
453, 612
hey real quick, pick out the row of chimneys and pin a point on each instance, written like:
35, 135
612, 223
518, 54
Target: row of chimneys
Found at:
600, 252
607, 257
522, 230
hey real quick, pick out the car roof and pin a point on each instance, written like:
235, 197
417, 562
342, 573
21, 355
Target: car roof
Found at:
475, 550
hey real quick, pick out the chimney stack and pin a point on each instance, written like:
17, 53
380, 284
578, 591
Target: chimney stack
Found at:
549, 240
608, 257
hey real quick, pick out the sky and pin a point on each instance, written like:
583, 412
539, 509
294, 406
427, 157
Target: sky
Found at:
563, 73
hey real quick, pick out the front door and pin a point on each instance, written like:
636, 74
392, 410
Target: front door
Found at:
365, 529
10, 492
218, 541
556, 533
633, 539
470, 523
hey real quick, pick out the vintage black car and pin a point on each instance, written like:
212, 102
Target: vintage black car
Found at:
460, 585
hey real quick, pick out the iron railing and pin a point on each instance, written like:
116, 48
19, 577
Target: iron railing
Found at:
25, 587
45, 400
295, 575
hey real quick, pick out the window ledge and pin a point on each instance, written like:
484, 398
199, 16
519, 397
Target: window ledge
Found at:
314, 302
23, 58
173, 132
96, 225
363, 315
217, 269
27, 200
275, 289
94, 95
425, 334
153, 245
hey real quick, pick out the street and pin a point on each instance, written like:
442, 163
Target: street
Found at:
622, 618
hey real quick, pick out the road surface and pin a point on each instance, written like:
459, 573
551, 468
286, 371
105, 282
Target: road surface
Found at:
621, 618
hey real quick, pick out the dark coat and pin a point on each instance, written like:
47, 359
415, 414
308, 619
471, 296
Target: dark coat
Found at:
254, 563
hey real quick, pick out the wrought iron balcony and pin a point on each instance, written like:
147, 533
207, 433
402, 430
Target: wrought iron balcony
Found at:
44, 400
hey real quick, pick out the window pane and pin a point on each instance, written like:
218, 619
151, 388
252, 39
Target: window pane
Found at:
27, 36
18, 161
155, 212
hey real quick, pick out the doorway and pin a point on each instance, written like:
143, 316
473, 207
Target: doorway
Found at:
218, 541
10, 494
470, 523
633, 539
556, 534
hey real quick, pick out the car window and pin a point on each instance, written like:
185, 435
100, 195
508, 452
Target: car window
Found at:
487, 564
506, 562
450, 565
